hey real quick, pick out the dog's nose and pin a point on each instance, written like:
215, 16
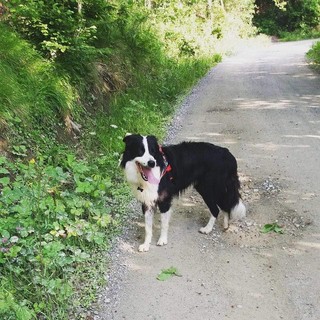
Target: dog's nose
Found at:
151, 163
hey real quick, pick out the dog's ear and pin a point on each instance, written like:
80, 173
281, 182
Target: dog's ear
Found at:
127, 137
153, 139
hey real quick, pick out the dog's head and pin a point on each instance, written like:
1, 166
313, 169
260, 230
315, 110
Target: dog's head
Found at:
144, 153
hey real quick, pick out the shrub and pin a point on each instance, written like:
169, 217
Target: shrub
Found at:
273, 19
314, 54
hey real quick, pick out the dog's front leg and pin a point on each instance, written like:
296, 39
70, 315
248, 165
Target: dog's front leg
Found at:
165, 218
148, 218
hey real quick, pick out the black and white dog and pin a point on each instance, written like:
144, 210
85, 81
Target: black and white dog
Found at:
156, 174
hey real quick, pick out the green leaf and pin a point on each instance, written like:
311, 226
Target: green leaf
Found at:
168, 273
267, 228
278, 229
13, 251
5, 234
271, 227
5, 181
4, 171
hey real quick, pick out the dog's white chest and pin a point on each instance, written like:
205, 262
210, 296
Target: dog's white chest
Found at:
144, 191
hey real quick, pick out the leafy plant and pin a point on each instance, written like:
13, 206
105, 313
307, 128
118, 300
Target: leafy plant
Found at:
272, 227
165, 274
51, 218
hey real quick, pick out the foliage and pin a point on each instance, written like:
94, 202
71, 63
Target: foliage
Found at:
303, 15
165, 274
52, 218
300, 34
191, 28
314, 54
271, 227
57, 26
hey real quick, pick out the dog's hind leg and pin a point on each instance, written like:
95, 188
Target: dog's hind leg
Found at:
148, 218
212, 205
214, 214
225, 220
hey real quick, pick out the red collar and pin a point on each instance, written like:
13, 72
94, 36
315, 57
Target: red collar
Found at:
168, 167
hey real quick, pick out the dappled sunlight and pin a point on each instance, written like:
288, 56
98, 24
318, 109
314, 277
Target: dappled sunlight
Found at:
270, 146
262, 104
307, 101
204, 137
211, 134
188, 204
310, 243
302, 136
294, 196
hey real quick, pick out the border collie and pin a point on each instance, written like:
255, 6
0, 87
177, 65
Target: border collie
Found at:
156, 174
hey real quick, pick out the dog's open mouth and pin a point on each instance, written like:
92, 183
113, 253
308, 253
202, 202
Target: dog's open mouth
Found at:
147, 174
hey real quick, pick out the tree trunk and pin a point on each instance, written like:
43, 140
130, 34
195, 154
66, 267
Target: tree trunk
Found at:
209, 9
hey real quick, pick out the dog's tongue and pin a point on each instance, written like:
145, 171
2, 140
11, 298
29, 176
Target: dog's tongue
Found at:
151, 177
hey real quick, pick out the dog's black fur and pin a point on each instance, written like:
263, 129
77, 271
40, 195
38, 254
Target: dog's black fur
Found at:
211, 169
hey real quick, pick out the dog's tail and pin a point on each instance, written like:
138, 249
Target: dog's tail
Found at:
238, 211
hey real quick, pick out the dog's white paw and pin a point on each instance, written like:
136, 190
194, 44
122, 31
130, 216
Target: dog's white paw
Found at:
162, 241
205, 230
144, 247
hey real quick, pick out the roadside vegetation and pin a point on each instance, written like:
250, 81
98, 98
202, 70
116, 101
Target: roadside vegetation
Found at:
314, 55
76, 76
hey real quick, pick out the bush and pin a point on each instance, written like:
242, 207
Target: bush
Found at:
55, 27
302, 15
314, 54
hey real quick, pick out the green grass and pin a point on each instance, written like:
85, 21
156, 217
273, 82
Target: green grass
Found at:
314, 55
302, 34
30, 88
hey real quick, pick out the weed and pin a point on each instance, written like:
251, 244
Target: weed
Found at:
165, 274
272, 227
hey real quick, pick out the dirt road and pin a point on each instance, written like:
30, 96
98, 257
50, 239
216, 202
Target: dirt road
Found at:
264, 105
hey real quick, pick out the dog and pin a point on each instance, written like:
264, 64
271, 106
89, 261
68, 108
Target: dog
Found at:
158, 173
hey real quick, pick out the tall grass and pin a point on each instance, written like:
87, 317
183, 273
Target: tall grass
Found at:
30, 88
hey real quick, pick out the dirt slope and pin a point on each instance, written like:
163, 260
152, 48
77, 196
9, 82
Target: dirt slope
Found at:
263, 105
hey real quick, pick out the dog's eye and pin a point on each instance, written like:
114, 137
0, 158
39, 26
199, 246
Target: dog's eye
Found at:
152, 150
141, 150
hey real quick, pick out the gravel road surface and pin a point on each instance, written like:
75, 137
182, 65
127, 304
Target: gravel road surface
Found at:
264, 105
